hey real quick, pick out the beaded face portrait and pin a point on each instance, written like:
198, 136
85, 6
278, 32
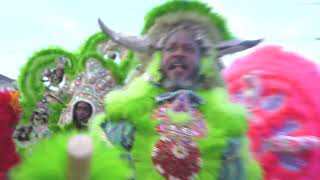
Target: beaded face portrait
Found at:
88, 92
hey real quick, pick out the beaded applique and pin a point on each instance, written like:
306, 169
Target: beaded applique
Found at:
176, 155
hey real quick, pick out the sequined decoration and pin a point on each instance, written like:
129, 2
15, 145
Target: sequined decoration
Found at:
289, 161
176, 155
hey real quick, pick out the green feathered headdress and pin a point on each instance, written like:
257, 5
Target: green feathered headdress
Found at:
209, 28
208, 24
201, 9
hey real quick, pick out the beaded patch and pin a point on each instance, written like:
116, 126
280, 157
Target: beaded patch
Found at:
176, 155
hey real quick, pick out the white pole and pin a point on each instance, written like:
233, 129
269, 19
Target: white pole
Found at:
79, 157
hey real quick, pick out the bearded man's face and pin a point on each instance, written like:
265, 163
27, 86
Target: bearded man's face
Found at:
180, 61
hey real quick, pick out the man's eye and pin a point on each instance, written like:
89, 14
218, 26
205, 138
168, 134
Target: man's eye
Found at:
170, 48
189, 49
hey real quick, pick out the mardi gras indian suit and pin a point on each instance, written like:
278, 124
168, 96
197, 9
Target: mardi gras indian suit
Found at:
186, 134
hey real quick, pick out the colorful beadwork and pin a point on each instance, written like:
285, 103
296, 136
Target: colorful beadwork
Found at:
176, 155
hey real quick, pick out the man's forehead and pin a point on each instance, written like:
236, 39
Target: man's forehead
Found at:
180, 36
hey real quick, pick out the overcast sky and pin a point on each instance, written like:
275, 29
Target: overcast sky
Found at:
28, 26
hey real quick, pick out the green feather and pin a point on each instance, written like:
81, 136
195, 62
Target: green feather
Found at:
30, 87
174, 6
48, 160
92, 43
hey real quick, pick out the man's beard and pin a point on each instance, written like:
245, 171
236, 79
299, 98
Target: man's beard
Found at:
173, 81
176, 84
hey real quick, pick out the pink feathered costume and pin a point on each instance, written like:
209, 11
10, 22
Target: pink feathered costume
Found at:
282, 93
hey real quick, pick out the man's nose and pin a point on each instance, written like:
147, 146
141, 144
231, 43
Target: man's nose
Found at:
180, 51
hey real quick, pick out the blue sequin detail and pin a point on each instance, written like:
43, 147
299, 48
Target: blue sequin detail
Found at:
288, 127
291, 162
272, 103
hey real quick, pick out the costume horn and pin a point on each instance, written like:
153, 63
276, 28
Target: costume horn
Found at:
136, 43
235, 45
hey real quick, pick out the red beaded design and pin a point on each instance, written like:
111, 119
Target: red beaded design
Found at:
176, 155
